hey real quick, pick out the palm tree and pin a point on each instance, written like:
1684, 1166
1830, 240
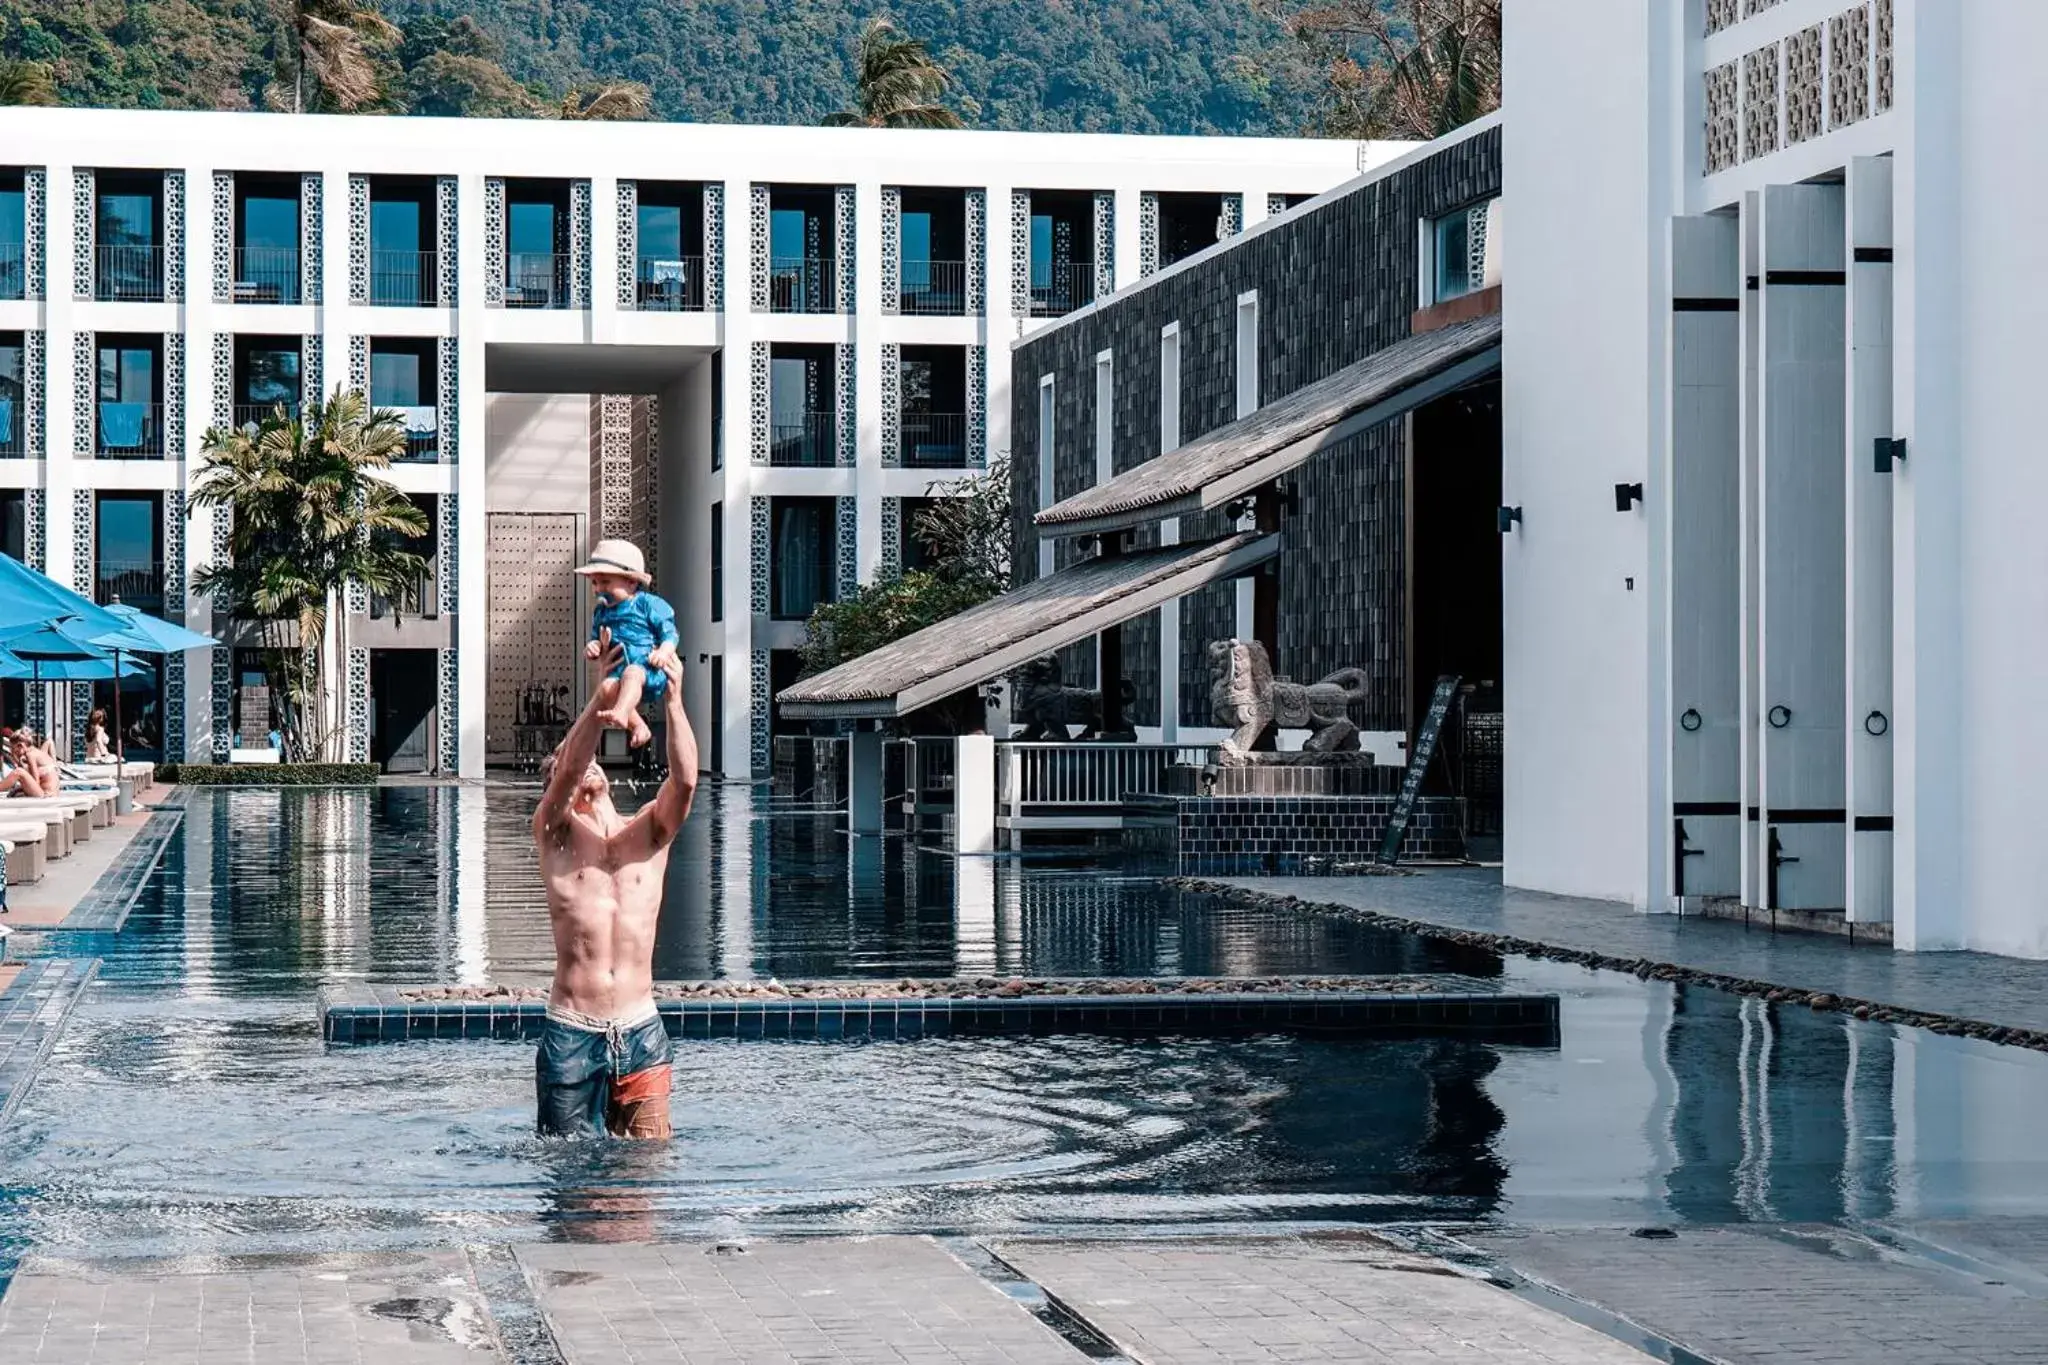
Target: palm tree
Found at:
26, 83
311, 512
617, 101
1433, 65
331, 37
898, 85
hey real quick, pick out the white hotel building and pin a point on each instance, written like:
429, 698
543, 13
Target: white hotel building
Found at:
821, 318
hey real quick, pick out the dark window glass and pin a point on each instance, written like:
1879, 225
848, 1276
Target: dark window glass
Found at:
1041, 251
270, 374
127, 374
788, 399
917, 237
11, 397
395, 225
395, 379
13, 218
270, 223
14, 523
802, 555
661, 231
127, 530
127, 220
786, 234
718, 561
531, 229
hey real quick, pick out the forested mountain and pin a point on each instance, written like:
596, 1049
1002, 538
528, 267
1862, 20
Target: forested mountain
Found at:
1133, 66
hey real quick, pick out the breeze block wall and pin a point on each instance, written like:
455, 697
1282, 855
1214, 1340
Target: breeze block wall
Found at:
1336, 282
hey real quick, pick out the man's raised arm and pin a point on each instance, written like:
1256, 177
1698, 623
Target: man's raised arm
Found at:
671, 805
578, 747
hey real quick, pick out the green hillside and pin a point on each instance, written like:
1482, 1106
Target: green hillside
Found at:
1132, 66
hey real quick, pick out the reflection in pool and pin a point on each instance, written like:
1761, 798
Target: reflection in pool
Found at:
191, 1108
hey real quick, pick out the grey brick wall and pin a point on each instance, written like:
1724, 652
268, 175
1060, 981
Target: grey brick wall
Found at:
1334, 286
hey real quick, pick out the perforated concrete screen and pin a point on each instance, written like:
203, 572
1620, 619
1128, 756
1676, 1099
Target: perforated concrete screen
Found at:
538, 618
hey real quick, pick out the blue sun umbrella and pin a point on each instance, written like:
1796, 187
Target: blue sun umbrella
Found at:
53, 655
141, 634
28, 598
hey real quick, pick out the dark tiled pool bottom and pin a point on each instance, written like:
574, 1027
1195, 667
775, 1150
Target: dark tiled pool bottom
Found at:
33, 1009
104, 909
364, 1014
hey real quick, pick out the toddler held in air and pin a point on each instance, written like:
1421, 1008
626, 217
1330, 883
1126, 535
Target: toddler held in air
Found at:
640, 623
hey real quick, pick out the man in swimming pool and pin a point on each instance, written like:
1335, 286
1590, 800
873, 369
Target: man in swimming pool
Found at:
604, 1054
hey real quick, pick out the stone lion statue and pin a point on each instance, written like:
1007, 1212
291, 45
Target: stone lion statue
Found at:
1244, 696
1045, 706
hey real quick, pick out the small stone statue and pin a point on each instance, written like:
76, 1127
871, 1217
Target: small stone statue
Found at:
1244, 696
1045, 706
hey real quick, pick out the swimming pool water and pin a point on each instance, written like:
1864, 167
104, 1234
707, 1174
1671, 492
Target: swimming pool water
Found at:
191, 1108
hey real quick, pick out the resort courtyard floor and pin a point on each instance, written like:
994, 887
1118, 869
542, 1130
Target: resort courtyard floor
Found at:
193, 1174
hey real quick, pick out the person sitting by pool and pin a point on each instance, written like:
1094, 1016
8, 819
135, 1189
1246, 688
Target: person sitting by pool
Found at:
40, 759
17, 777
603, 1063
96, 750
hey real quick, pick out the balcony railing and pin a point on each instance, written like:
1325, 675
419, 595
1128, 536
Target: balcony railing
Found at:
1079, 775
803, 284
250, 416
405, 279
810, 443
932, 289
266, 274
422, 430
10, 427
1059, 287
13, 270
671, 284
131, 431
137, 582
536, 279
129, 274
934, 440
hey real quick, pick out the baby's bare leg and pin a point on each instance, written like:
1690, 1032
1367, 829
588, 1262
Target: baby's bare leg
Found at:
626, 706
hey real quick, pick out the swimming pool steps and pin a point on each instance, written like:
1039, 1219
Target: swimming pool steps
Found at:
368, 1014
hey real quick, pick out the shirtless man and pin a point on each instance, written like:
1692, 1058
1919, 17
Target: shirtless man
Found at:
604, 1055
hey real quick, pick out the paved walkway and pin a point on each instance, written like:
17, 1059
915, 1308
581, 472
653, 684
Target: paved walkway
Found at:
887, 1299
343, 1310
1981, 987
1250, 1302
1810, 1296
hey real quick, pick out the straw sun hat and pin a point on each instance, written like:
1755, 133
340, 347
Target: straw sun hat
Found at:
621, 557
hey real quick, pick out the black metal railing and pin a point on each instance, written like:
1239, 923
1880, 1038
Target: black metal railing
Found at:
803, 284
422, 430
932, 289
250, 416
405, 279
129, 274
130, 431
266, 274
1060, 287
536, 279
135, 582
810, 443
13, 270
671, 284
934, 440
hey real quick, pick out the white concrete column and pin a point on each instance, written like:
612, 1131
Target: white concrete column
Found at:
1169, 534
999, 327
200, 317
867, 374
1869, 510
472, 530
335, 312
974, 917
1801, 551
736, 336
1125, 236
1752, 710
1930, 904
1705, 551
60, 313
974, 795
864, 782
604, 257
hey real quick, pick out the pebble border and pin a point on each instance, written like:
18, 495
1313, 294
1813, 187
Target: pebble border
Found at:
1644, 968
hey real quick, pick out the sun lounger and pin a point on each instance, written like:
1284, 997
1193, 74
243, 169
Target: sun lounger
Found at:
25, 856
48, 831
76, 812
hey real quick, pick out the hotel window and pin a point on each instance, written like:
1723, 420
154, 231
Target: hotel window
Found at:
12, 398
802, 567
266, 378
13, 235
129, 563
402, 380
130, 397
1461, 253
718, 561
266, 262
403, 270
128, 226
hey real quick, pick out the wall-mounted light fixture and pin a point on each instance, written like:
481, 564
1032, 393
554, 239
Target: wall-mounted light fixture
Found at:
1508, 517
1889, 450
1627, 495
1779, 717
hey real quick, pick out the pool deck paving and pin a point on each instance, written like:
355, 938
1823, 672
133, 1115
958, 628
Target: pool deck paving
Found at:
94, 887
1971, 1293
1961, 989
